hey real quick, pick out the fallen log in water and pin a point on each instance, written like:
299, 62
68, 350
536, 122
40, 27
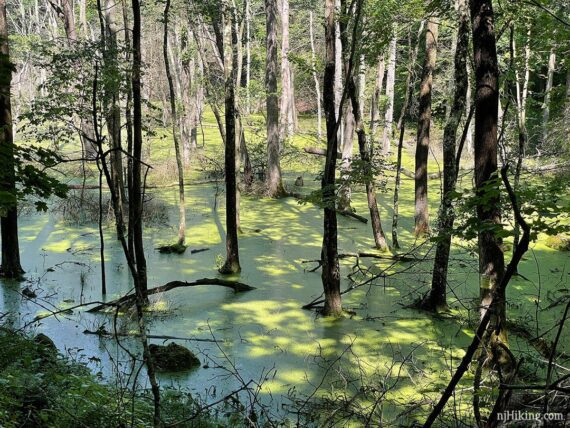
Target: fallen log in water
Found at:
341, 212
319, 152
129, 299
104, 333
410, 174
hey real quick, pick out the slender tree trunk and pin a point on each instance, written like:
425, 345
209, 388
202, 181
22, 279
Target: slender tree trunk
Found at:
232, 264
375, 103
424, 124
344, 191
436, 299
247, 9
521, 97
338, 70
491, 258
187, 79
365, 157
136, 208
410, 83
390, 84
315, 78
172, 96
329, 253
547, 94
274, 181
112, 92
11, 267
287, 96
469, 138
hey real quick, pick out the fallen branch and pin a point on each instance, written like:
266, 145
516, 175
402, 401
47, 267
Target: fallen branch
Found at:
105, 333
319, 152
364, 254
353, 215
129, 299
410, 174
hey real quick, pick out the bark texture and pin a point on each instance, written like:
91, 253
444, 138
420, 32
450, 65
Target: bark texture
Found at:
436, 299
491, 258
11, 267
424, 125
274, 180
329, 253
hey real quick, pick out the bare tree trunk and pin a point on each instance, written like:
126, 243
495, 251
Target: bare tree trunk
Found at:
390, 84
410, 83
172, 96
187, 81
315, 78
436, 299
274, 180
338, 71
287, 93
344, 192
136, 207
365, 156
83, 18
547, 94
329, 253
424, 124
469, 138
11, 267
491, 258
375, 103
521, 97
232, 264
112, 90
247, 10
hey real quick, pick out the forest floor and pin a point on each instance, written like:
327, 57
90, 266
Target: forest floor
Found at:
383, 361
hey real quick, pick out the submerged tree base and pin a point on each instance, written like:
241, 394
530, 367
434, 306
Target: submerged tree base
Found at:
172, 249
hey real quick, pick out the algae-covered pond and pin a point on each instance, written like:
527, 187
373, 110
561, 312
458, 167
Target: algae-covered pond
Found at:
264, 334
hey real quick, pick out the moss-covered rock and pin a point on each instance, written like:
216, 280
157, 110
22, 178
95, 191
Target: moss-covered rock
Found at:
558, 242
173, 357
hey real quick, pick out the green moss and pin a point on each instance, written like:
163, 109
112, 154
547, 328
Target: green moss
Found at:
558, 242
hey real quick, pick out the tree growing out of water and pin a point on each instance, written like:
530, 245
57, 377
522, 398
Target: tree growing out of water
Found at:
11, 266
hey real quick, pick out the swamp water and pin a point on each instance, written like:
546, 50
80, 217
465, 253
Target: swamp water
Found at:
264, 332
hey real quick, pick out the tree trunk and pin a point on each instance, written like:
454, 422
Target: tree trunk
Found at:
436, 299
112, 90
521, 97
390, 84
232, 264
365, 157
344, 192
424, 124
172, 96
410, 83
187, 79
491, 258
547, 95
274, 180
469, 138
11, 267
287, 101
375, 103
315, 78
247, 10
329, 254
338, 71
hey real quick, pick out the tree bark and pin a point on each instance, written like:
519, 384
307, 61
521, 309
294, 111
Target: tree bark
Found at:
329, 254
232, 264
287, 93
375, 103
521, 98
436, 299
390, 84
315, 78
410, 83
491, 258
11, 267
423, 135
274, 180
344, 191
172, 96
547, 94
